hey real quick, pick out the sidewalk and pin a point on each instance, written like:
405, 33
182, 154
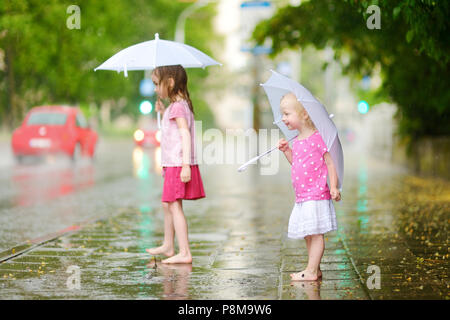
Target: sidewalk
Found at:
240, 251
234, 265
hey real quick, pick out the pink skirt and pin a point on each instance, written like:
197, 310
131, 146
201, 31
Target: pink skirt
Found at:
174, 188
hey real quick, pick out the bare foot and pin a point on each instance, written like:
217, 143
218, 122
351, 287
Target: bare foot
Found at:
319, 274
168, 252
304, 276
179, 258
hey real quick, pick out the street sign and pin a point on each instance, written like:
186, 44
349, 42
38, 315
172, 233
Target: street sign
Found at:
285, 68
252, 12
365, 83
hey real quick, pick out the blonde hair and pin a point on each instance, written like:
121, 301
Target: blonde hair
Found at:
299, 108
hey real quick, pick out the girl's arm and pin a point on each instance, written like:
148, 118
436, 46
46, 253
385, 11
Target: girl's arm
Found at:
186, 147
283, 145
288, 154
335, 194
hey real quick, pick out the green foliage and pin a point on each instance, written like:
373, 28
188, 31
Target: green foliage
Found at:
427, 21
45, 62
411, 47
372, 97
311, 75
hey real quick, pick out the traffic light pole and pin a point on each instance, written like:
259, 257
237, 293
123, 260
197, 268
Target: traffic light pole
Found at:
255, 92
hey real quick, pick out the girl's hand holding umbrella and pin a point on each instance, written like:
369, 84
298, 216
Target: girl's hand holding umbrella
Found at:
159, 106
283, 145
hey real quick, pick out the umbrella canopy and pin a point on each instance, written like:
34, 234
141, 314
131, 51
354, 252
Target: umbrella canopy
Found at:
276, 87
151, 54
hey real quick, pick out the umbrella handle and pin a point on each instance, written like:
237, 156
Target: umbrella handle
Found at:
158, 114
244, 166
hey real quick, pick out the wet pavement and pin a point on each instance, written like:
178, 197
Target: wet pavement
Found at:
388, 219
39, 198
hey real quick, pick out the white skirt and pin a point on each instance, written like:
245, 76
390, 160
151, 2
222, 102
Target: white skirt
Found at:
312, 217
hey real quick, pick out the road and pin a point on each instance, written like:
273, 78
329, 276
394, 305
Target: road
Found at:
44, 197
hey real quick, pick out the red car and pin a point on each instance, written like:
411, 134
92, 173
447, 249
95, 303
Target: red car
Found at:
147, 138
54, 129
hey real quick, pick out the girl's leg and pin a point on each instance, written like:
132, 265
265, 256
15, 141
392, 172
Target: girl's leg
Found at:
308, 246
167, 247
317, 248
181, 231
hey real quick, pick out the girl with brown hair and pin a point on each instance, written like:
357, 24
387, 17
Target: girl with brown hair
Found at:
182, 180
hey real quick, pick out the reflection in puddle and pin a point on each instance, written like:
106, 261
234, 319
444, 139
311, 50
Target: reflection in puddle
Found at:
144, 168
146, 162
157, 157
361, 205
175, 278
310, 288
41, 183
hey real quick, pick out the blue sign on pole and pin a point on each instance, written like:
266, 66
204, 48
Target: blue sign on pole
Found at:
253, 12
249, 4
147, 88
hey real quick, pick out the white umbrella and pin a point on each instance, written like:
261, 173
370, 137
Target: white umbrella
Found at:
276, 87
151, 54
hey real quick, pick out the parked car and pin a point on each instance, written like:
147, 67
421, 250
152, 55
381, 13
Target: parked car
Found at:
147, 138
54, 130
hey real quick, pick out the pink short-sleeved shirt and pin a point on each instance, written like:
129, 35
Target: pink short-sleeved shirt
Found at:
309, 170
171, 147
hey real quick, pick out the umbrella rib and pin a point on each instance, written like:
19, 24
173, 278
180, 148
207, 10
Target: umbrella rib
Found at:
195, 50
334, 139
195, 58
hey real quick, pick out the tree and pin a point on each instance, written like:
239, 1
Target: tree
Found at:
411, 47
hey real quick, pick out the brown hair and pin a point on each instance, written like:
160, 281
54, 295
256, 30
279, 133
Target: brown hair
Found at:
179, 76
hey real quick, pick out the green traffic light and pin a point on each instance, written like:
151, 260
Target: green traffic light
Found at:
145, 107
363, 107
